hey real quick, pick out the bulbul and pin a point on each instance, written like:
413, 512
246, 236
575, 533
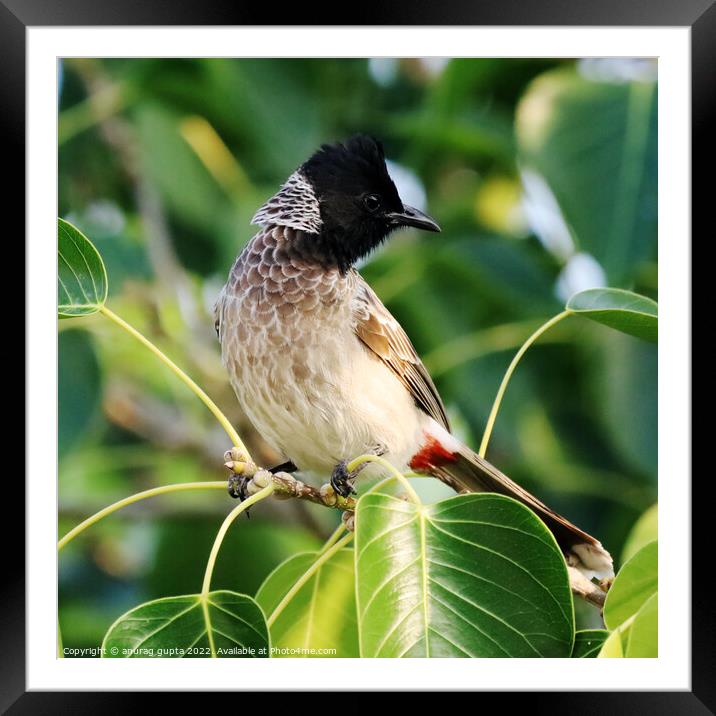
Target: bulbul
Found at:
321, 367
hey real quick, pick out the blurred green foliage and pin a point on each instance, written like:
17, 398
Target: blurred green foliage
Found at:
542, 175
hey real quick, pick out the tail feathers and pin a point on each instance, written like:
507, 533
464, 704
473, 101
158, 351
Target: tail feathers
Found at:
466, 471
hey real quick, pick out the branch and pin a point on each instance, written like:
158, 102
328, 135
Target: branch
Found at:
285, 485
586, 589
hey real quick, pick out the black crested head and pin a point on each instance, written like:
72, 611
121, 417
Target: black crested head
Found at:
358, 202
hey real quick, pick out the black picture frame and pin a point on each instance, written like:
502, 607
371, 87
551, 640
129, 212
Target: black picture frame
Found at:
699, 15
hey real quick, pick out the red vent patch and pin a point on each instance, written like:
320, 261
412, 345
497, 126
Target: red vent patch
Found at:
432, 454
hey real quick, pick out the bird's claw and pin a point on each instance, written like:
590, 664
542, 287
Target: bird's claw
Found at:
241, 472
342, 479
237, 486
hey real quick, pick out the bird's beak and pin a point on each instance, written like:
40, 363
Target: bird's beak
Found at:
412, 217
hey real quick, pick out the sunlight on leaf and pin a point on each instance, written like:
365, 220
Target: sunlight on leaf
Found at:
474, 575
644, 633
636, 582
613, 647
644, 531
322, 614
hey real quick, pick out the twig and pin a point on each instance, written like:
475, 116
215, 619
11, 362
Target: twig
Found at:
585, 588
285, 485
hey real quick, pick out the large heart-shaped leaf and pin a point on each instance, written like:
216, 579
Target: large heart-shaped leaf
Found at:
474, 575
588, 642
81, 275
226, 625
623, 310
635, 583
595, 144
321, 615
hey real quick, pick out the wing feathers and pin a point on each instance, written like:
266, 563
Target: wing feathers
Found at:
383, 335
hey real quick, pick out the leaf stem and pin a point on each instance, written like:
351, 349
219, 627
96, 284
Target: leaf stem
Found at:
210, 404
510, 370
204, 596
333, 538
291, 593
252, 500
164, 489
391, 468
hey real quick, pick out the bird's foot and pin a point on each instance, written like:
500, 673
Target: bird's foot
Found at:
342, 480
241, 472
237, 486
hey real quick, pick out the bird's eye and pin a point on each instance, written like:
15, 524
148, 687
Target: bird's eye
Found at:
372, 202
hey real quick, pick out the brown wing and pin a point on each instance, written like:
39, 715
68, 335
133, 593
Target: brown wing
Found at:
380, 332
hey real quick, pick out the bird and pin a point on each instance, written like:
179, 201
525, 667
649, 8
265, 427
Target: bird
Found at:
319, 365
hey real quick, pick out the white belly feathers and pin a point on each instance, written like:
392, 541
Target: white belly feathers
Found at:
308, 384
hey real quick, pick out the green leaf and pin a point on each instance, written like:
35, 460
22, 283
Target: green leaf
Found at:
624, 397
183, 181
79, 388
595, 144
638, 637
613, 647
636, 582
588, 642
644, 531
623, 310
644, 632
322, 614
474, 575
253, 89
81, 276
229, 625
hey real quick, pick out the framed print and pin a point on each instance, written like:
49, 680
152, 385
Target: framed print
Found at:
350, 351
